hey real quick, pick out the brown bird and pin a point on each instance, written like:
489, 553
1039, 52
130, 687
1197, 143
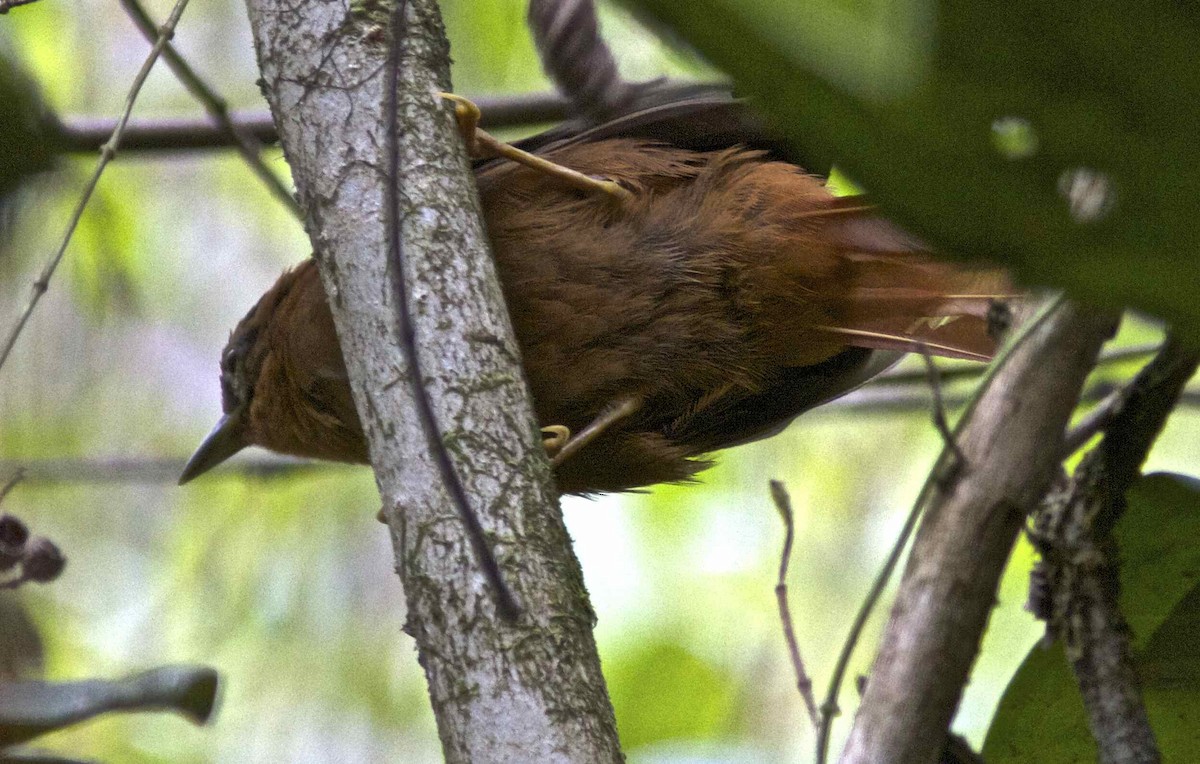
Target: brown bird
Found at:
724, 294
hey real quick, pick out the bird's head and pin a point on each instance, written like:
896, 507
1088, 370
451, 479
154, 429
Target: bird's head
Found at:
283, 381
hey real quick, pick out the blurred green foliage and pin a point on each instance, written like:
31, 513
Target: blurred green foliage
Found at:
908, 95
285, 584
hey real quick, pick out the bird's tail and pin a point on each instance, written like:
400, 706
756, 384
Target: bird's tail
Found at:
898, 297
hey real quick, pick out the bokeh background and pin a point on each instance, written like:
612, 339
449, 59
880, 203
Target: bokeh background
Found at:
284, 582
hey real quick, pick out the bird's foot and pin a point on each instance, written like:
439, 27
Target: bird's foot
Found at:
482, 145
554, 438
615, 411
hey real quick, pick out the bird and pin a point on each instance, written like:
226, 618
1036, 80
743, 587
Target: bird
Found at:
705, 292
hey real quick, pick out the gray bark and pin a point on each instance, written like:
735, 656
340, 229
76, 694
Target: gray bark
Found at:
530, 691
1012, 449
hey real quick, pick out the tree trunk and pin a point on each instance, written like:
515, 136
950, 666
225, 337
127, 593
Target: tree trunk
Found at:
525, 691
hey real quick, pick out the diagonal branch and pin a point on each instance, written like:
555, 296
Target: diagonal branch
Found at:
243, 140
1012, 446
1080, 558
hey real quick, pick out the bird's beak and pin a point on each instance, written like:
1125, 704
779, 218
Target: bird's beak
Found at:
224, 441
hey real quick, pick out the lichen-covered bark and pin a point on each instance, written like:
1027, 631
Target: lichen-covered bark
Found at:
530, 691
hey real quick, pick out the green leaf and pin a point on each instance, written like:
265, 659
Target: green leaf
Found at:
1041, 716
920, 103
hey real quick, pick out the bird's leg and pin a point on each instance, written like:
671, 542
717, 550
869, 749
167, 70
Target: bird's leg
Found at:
483, 145
612, 413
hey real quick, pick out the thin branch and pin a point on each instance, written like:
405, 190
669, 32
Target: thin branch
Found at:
161, 470
1093, 422
1012, 441
918, 377
247, 145
107, 152
86, 134
7, 5
804, 684
939, 407
148, 470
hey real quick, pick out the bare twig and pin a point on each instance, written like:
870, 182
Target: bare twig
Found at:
939, 410
246, 143
1012, 440
86, 134
151, 470
957, 371
107, 152
17, 476
7, 5
804, 684
1096, 420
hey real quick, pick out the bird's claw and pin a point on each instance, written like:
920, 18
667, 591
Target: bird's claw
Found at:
554, 438
467, 116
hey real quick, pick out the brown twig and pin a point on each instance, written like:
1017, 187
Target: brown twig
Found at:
939, 410
959, 371
1093, 422
804, 684
86, 134
160, 470
7, 5
107, 152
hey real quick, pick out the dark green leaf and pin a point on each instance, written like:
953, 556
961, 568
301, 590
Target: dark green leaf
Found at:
920, 104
